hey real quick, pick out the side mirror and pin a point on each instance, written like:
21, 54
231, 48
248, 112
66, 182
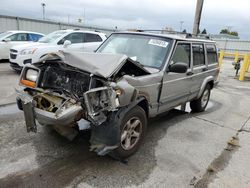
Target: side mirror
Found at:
178, 67
66, 43
6, 40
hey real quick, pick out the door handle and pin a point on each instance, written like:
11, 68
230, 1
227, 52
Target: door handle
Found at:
205, 69
189, 73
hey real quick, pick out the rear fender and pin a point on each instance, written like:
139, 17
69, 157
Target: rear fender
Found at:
203, 85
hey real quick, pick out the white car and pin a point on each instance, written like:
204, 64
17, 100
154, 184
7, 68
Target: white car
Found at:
9, 39
73, 40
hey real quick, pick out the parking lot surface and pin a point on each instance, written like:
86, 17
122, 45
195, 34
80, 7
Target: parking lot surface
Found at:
8, 82
181, 149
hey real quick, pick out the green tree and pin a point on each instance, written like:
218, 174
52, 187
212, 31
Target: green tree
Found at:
226, 31
204, 31
235, 33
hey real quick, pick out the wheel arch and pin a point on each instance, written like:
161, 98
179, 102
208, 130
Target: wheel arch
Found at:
208, 80
143, 103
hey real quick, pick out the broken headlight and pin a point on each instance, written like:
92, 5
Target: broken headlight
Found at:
31, 75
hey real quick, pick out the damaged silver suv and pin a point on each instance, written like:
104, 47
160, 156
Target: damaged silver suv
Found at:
130, 78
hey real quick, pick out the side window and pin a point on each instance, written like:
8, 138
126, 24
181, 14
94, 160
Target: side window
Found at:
211, 54
34, 37
89, 37
181, 54
74, 38
19, 37
198, 55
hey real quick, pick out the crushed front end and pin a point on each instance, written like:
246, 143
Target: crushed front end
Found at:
62, 96
69, 99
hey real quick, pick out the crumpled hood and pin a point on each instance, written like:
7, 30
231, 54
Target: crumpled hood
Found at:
100, 64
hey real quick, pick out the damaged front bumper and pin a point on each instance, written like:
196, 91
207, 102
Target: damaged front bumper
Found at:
63, 118
24, 102
104, 139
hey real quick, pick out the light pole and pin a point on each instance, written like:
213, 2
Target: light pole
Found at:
43, 6
197, 17
181, 23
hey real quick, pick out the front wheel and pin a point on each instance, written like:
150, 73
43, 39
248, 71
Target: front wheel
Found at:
200, 104
133, 129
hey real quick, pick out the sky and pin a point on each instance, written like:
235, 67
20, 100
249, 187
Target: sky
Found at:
139, 14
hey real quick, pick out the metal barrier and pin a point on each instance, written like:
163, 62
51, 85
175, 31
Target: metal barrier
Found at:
246, 61
245, 67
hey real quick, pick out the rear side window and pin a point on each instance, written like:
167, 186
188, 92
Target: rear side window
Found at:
89, 37
181, 54
211, 54
198, 55
34, 37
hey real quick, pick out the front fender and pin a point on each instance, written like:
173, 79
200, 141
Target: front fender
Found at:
106, 137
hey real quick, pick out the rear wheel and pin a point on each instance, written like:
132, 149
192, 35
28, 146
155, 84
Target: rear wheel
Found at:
199, 105
133, 129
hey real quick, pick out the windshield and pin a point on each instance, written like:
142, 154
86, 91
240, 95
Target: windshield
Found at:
4, 34
52, 37
150, 51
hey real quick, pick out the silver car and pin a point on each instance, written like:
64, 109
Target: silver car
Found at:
131, 77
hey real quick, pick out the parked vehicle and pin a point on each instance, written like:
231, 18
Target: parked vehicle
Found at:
75, 40
130, 78
9, 39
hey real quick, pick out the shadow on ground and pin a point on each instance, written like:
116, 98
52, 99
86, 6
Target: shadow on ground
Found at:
62, 162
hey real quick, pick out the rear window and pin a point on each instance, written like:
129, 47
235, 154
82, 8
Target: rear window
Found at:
198, 55
89, 37
211, 54
34, 37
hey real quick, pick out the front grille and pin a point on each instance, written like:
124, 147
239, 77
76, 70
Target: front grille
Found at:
13, 56
55, 77
12, 50
27, 61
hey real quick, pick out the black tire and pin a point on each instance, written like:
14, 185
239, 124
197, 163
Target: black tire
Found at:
199, 105
134, 115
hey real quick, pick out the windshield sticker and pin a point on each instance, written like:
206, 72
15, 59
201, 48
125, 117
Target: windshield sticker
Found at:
160, 43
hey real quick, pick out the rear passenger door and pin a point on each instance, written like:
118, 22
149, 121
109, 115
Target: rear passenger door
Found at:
199, 68
91, 42
176, 86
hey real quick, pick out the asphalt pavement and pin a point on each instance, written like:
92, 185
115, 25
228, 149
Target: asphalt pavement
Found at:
181, 149
8, 83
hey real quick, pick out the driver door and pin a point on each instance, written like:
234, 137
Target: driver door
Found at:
176, 86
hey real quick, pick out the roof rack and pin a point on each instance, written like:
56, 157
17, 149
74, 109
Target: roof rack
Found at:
186, 35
